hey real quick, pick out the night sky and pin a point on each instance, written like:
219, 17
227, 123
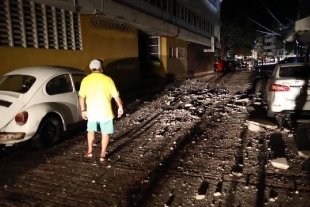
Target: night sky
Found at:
285, 11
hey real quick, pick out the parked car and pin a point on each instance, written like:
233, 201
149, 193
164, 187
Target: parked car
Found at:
240, 63
218, 65
288, 90
264, 71
224, 65
230, 65
38, 103
255, 62
250, 63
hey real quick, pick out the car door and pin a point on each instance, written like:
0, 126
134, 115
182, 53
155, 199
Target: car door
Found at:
60, 91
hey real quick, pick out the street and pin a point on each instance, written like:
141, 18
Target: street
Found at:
200, 142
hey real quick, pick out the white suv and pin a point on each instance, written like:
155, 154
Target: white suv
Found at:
288, 90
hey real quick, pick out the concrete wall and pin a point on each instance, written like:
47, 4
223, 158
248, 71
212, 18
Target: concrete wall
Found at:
199, 62
174, 66
195, 63
119, 50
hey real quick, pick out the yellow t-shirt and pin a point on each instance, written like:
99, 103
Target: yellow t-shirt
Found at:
98, 90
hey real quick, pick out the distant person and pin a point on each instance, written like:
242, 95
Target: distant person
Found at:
95, 96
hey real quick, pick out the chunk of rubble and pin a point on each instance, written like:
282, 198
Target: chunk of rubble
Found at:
272, 199
304, 153
259, 127
243, 100
199, 196
252, 126
280, 163
238, 174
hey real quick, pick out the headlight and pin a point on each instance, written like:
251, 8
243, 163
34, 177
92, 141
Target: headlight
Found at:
21, 118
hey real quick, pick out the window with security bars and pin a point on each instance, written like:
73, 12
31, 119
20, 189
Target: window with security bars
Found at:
181, 52
172, 52
41, 26
28, 10
61, 32
4, 40
181, 11
17, 24
177, 52
154, 46
24, 23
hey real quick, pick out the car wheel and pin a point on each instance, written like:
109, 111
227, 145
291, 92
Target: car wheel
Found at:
49, 133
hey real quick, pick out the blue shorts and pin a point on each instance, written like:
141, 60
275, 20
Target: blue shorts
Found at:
106, 127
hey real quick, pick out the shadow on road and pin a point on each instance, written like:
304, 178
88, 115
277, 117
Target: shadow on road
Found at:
302, 136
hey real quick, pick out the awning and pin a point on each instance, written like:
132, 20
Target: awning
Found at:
300, 36
301, 31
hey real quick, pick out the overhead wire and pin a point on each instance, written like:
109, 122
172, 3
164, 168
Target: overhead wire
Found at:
263, 32
243, 12
273, 32
271, 13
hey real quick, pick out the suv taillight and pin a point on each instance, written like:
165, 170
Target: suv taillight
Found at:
278, 87
21, 118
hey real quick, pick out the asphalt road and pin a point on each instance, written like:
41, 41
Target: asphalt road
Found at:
191, 145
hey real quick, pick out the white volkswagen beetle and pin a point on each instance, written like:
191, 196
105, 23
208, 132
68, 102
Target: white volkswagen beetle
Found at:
38, 103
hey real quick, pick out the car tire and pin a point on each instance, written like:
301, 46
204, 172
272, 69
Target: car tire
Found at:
49, 133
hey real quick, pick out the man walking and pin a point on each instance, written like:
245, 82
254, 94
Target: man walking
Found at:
95, 95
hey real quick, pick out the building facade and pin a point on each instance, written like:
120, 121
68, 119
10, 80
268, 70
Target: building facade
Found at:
137, 39
273, 47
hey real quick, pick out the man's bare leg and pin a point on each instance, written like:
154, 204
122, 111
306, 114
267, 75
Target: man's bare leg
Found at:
104, 144
90, 141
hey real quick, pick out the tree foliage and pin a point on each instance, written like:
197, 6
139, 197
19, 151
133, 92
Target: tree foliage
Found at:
237, 34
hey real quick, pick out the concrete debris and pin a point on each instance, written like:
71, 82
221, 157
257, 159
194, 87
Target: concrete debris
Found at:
280, 163
304, 154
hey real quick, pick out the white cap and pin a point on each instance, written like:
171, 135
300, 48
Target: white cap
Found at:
95, 64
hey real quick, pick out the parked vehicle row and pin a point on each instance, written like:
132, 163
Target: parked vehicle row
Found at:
265, 70
288, 87
250, 64
228, 65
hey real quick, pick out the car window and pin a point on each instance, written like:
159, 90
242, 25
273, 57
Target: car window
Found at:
77, 79
295, 71
16, 83
58, 85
